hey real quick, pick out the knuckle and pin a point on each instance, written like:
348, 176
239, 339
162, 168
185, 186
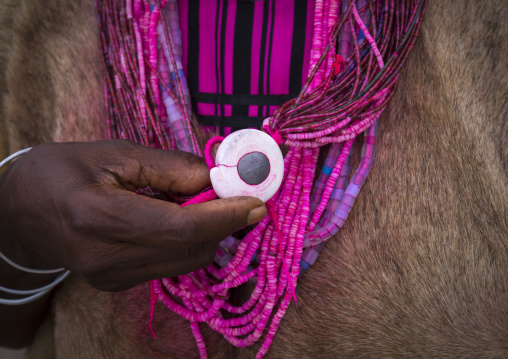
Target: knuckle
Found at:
127, 144
188, 161
195, 162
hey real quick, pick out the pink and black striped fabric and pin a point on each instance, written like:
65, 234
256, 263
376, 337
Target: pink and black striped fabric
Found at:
244, 58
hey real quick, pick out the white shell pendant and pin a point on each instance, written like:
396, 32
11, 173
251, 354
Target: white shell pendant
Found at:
248, 163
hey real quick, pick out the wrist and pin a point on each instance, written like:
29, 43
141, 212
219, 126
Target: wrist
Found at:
19, 283
14, 244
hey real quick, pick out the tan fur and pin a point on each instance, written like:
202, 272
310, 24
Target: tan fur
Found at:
53, 73
420, 268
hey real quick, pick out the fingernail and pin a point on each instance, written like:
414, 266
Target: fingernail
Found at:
256, 214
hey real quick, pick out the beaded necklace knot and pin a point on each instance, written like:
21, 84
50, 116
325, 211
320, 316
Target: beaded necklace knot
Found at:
358, 49
274, 133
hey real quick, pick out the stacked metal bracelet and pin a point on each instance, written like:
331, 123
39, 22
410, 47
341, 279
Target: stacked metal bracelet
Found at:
32, 294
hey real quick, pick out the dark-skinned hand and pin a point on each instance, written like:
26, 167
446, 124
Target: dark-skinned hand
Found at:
73, 205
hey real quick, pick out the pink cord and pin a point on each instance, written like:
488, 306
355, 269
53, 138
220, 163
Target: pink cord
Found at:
368, 37
210, 161
153, 300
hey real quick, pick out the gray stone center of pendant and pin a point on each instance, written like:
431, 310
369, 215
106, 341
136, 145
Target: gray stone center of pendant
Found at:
253, 168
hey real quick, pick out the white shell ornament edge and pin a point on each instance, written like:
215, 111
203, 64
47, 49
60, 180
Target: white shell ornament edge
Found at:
225, 177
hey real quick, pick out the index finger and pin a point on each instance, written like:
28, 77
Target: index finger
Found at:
125, 216
132, 166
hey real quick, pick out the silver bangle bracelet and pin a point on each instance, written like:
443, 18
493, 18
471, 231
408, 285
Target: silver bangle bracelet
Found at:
30, 270
15, 265
14, 155
23, 300
51, 285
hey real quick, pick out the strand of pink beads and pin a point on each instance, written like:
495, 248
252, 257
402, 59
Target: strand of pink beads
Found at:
148, 102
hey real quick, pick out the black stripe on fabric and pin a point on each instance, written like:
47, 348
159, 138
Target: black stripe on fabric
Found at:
264, 31
193, 46
298, 46
234, 122
223, 51
269, 45
243, 100
217, 59
242, 53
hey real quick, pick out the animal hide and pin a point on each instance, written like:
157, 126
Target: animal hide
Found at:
420, 267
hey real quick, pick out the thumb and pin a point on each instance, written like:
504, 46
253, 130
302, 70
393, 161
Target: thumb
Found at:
150, 222
215, 220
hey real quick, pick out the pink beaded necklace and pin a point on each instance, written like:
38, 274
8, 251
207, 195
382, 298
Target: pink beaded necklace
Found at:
148, 102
